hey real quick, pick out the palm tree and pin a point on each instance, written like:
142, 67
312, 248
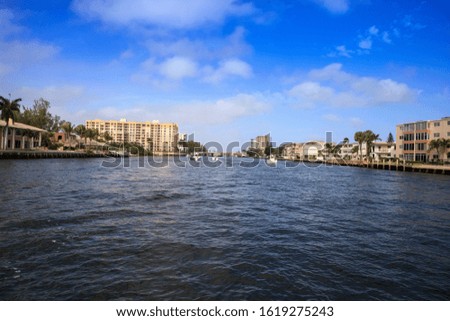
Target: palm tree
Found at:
360, 138
68, 129
440, 145
92, 134
328, 149
370, 137
81, 131
444, 144
355, 150
346, 141
434, 144
8, 109
107, 137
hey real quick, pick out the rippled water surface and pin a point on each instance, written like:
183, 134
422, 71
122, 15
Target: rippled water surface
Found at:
71, 229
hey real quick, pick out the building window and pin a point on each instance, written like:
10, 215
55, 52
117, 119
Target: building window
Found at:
448, 134
420, 146
436, 135
437, 124
421, 136
421, 157
408, 147
408, 137
421, 125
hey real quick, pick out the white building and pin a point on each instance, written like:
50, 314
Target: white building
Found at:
20, 136
382, 150
154, 136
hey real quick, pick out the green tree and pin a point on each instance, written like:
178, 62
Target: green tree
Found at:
92, 134
329, 149
67, 127
444, 144
107, 137
369, 138
360, 138
268, 150
9, 109
81, 131
440, 145
39, 116
390, 138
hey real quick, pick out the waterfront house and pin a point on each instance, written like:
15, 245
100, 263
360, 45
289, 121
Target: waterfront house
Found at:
20, 136
312, 150
382, 150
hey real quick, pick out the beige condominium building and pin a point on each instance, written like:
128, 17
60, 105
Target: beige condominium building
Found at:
260, 142
154, 136
413, 140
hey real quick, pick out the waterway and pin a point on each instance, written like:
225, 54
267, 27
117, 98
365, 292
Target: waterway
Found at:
75, 229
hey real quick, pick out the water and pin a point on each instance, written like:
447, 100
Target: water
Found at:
71, 229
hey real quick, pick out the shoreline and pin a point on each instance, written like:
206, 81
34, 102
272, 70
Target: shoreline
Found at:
42, 154
391, 166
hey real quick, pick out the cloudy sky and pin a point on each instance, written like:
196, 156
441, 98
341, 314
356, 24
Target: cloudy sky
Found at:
230, 70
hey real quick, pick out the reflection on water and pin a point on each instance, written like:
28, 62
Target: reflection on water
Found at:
71, 229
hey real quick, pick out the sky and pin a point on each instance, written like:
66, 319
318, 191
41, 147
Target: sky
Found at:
229, 70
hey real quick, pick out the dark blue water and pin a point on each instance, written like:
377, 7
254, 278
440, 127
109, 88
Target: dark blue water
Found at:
71, 229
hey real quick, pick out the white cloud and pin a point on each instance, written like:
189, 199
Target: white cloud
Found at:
331, 72
332, 118
356, 122
334, 6
65, 100
365, 44
171, 14
15, 54
341, 51
311, 93
231, 67
333, 87
127, 54
7, 25
223, 110
409, 22
372, 36
177, 68
386, 38
167, 73
207, 112
207, 48
373, 30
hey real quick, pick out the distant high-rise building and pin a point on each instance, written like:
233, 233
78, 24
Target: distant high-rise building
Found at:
154, 136
260, 142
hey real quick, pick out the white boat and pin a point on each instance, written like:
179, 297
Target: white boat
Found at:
271, 160
214, 159
195, 158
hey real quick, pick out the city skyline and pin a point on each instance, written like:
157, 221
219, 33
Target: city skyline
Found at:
231, 70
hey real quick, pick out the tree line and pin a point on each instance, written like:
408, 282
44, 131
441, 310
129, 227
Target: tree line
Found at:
39, 116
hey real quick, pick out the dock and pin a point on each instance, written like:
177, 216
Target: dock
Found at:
394, 166
36, 154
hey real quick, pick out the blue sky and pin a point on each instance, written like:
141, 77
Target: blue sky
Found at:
231, 70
